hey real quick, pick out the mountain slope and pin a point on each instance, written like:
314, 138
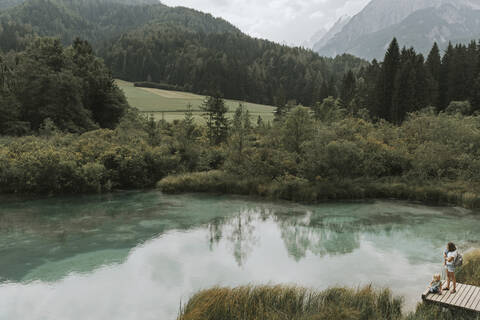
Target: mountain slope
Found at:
100, 20
413, 22
334, 30
421, 29
233, 64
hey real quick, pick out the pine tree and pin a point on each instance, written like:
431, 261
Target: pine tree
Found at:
386, 80
323, 91
349, 86
445, 78
433, 68
403, 99
217, 123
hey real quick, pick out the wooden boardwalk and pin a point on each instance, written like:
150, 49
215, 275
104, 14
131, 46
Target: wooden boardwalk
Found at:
467, 298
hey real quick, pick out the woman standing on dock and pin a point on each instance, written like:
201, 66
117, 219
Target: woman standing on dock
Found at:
450, 255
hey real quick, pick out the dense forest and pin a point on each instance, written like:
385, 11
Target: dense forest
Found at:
405, 82
180, 47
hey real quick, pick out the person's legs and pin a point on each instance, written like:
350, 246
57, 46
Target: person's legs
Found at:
448, 281
454, 279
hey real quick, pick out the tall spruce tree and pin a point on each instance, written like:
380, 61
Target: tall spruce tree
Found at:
386, 81
217, 123
349, 86
433, 68
403, 99
445, 78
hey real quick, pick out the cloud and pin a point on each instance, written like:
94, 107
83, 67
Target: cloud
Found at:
284, 21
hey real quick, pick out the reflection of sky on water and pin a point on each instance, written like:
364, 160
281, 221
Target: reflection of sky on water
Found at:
139, 260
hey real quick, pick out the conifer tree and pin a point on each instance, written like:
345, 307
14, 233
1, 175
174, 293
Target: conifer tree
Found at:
386, 80
217, 123
433, 68
349, 85
445, 78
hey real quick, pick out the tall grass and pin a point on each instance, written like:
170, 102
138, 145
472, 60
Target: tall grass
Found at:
291, 303
469, 273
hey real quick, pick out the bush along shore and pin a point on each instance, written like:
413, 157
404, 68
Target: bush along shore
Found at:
309, 157
433, 158
295, 303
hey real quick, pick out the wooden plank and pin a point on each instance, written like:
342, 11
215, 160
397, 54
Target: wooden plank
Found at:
466, 296
449, 297
477, 306
425, 294
472, 302
474, 299
453, 298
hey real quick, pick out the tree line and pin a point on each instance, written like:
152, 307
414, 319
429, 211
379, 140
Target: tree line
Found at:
406, 82
49, 84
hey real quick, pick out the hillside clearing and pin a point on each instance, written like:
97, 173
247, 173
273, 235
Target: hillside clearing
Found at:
172, 105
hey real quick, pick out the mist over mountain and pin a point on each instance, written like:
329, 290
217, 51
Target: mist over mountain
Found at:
333, 31
417, 23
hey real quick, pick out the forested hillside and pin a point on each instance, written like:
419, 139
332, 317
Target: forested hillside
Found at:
100, 20
181, 47
235, 65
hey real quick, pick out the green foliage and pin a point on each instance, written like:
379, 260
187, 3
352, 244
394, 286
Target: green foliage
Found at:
96, 161
432, 158
329, 110
71, 87
297, 129
459, 107
217, 123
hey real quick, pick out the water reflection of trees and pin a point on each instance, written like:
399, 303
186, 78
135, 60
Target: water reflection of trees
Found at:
239, 231
320, 233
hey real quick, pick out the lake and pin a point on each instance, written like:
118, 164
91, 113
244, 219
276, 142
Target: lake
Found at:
139, 255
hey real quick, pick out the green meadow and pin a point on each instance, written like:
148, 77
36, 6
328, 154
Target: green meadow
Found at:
172, 105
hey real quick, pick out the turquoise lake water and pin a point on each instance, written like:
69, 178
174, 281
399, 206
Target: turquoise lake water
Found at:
139, 255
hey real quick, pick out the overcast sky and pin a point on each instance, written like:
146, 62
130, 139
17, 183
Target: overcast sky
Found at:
285, 21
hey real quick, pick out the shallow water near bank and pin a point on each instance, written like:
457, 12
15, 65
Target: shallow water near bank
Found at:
139, 255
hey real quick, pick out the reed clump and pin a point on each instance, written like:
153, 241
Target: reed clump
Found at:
469, 273
291, 303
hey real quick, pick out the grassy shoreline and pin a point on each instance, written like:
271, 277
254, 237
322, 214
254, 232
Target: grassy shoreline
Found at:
300, 190
296, 303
